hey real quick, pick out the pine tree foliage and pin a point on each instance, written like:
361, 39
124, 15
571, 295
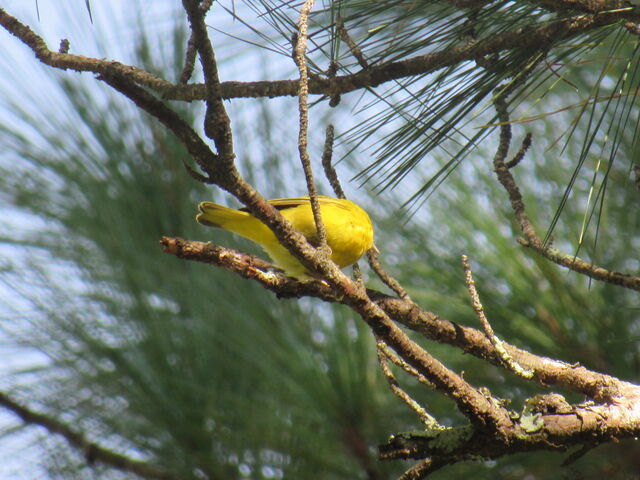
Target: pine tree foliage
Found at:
209, 376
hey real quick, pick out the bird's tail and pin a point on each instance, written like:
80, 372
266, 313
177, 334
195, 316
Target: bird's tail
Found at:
236, 221
214, 215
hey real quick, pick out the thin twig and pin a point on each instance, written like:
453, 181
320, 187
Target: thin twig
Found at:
205, 5
579, 453
504, 175
355, 50
396, 360
532, 240
357, 273
524, 147
331, 74
334, 181
64, 46
507, 359
332, 176
424, 468
387, 279
90, 450
189, 61
428, 421
327, 164
579, 265
300, 58
217, 124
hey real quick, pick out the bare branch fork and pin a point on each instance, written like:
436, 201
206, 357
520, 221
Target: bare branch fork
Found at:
531, 239
547, 421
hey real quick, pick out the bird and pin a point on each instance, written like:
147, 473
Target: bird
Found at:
349, 229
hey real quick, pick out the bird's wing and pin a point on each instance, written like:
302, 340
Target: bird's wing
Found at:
285, 203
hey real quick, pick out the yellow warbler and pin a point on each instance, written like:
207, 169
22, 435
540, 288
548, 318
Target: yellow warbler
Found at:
349, 229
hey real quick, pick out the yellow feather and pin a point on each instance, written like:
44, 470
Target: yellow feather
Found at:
349, 229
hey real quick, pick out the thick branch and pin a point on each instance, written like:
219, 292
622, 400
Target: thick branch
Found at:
484, 411
549, 424
472, 341
91, 451
531, 36
547, 371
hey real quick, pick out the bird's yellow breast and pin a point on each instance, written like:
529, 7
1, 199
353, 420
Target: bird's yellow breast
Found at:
349, 228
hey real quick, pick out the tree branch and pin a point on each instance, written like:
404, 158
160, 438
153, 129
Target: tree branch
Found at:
300, 57
492, 425
217, 124
531, 36
545, 425
507, 360
483, 411
587, 6
470, 340
79, 63
189, 61
548, 423
384, 354
92, 452
532, 240
424, 468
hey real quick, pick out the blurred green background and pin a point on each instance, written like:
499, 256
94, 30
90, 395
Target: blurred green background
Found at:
209, 376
